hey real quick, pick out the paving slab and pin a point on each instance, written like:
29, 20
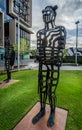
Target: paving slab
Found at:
26, 122
4, 83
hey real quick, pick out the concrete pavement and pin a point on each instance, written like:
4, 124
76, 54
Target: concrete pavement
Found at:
34, 65
71, 67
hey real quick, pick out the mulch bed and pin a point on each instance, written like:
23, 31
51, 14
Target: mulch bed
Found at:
26, 122
4, 83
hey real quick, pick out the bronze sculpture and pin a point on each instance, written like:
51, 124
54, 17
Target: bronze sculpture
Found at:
50, 45
9, 59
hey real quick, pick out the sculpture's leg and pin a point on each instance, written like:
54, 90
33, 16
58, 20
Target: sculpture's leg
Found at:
8, 74
43, 96
52, 95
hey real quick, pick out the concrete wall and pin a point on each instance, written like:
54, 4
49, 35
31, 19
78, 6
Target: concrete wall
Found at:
12, 32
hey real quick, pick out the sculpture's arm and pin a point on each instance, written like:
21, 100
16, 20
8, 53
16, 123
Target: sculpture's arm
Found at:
62, 38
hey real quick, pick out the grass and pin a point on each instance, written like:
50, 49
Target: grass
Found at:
17, 99
2, 72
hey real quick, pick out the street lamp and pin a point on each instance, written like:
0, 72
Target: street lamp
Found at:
77, 22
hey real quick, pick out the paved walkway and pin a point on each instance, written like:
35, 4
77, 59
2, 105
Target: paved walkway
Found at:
4, 83
71, 67
34, 65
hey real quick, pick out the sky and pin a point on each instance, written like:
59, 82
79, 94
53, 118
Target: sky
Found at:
68, 12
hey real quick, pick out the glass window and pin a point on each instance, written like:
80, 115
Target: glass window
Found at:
3, 5
20, 33
25, 35
16, 30
4, 9
16, 39
23, 8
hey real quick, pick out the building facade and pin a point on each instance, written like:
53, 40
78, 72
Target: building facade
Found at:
72, 51
15, 21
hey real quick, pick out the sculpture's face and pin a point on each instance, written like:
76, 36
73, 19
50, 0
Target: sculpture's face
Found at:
48, 15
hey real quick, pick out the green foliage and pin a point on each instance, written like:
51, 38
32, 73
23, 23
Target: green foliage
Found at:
65, 53
24, 46
15, 45
17, 99
2, 72
71, 59
33, 52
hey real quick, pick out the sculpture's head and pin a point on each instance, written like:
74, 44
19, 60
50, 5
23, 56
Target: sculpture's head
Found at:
49, 14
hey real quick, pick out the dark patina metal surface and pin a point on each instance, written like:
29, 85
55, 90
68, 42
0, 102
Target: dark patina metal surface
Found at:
51, 42
9, 58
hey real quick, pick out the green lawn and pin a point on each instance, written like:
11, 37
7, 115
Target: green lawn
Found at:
17, 99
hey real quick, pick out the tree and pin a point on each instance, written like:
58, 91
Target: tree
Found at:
15, 45
24, 46
65, 53
33, 52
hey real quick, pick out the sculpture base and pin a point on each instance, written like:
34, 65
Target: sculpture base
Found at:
26, 122
5, 83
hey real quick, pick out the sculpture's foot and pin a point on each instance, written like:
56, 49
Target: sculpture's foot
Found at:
5, 79
51, 119
38, 116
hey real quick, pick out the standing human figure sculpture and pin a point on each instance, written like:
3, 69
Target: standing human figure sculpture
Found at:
9, 59
50, 44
